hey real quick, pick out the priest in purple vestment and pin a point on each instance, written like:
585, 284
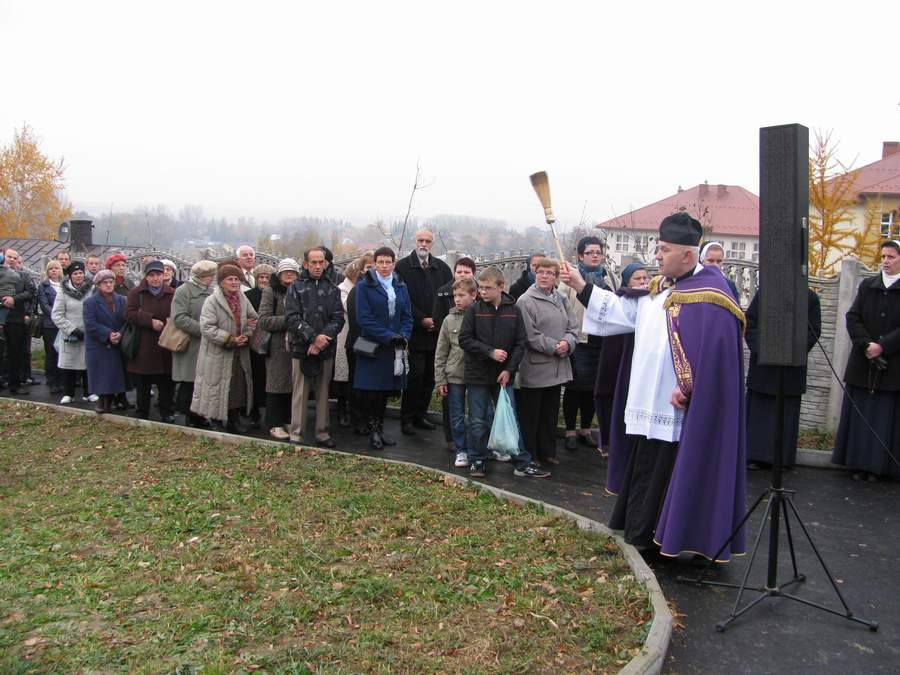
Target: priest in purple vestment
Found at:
684, 488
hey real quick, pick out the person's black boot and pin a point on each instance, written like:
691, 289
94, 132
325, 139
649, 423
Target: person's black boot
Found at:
234, 426
385, 440
375, 441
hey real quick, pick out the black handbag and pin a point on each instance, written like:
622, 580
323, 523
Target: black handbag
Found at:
36, 325
131, 336
365, 347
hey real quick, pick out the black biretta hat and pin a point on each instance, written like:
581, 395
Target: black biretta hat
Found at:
680, 228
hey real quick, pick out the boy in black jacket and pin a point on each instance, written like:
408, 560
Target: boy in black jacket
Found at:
493, 338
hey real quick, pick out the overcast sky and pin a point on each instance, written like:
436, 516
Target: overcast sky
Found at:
270, 109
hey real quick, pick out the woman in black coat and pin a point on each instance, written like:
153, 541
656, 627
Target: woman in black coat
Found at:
762, 386
873, 375
47, 291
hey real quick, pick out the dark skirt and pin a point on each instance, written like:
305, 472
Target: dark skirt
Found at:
278, 410
237, 392
855, 447
584, 367
644, 486
258, 368
762, 423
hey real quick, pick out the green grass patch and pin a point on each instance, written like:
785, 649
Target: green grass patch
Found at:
816, 439
37, 359
148, 550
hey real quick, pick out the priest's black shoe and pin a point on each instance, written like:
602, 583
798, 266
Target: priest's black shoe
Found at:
167, 418
386, 440
424, 423
326, 443
407, 429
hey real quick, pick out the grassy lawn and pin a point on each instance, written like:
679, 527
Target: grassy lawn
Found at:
128, 549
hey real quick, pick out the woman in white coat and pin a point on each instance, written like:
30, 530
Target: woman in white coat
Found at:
224, 383
69, 319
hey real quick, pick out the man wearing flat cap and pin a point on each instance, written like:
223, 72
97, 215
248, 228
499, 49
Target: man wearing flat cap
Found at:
684, 487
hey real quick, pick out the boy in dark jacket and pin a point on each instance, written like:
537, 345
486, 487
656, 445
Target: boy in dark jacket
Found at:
314, 316
493, 338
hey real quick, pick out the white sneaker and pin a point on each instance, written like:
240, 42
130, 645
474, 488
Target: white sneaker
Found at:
462, 459
500, 456
279, 433
65, 399
93, 398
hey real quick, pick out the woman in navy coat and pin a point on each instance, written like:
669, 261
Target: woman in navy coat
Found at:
384, 315
104, 321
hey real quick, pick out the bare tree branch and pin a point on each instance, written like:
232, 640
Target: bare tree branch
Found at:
418, 184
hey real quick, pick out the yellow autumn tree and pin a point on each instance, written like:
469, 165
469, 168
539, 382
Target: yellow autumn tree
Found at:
867, 242
30, 188
831, 204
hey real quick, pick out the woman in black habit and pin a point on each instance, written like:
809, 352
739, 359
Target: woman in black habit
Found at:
873, 376
762, 386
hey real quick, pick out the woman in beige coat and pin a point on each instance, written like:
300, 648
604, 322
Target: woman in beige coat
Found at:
186, 305
551, 333
224, 382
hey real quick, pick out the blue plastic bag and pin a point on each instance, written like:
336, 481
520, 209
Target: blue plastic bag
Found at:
505, 429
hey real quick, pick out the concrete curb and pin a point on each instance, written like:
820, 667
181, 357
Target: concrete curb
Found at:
652, 655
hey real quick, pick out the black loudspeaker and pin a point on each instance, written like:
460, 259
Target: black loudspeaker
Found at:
783, 244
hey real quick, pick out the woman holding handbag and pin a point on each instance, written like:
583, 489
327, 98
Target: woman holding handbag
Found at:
104, 322
278, 358
384, 315
68, 315
148, 307
186, 305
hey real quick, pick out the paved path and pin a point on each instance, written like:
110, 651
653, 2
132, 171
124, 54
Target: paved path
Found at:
855, 526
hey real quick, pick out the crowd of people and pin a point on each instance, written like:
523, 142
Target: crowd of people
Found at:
650, 374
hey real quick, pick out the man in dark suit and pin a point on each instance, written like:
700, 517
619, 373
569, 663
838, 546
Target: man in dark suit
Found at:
423, 275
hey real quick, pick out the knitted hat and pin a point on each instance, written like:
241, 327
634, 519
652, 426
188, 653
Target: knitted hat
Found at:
263, 268
114, 258
102, 276
153, 266
226, 271
288, 265
169, 264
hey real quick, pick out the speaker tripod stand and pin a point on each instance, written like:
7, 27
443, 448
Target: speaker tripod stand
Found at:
779, 502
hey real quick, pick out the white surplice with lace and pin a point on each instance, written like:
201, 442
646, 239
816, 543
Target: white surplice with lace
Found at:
648, 411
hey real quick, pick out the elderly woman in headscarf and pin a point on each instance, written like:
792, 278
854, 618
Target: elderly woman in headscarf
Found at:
262, 273
279, 382
104, 323
68, 316
224, 384
186, 306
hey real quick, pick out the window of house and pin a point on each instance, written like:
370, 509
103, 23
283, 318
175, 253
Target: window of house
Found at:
737, 250
755, 257
890, 226
621, 243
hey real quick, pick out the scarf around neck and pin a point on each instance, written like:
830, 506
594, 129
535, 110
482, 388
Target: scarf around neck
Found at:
76, 292
889, 279
234, 304
592, 275
388, 284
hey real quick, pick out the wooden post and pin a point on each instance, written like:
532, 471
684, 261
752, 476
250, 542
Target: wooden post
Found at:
849, 281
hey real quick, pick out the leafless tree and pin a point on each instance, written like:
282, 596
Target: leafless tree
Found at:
418, 184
